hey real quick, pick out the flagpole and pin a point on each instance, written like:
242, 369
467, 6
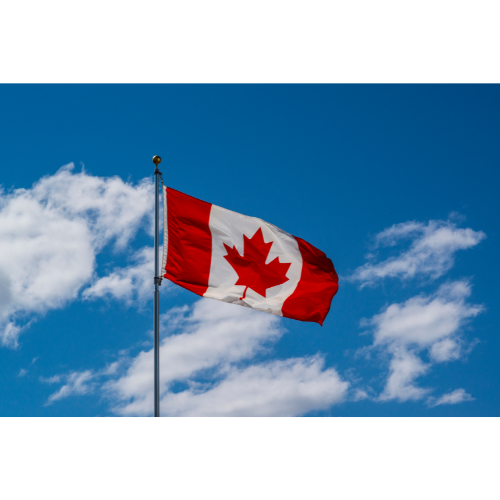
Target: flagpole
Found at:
157, 173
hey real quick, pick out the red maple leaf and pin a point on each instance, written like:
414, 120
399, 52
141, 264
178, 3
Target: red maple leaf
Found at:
253, 272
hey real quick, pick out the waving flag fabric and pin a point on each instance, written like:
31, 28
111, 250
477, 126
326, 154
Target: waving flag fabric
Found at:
243, 260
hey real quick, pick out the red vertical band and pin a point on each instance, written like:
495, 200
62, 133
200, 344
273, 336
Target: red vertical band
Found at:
318, 284
189, 241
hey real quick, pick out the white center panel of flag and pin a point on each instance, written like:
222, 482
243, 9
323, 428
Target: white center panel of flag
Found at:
228, 228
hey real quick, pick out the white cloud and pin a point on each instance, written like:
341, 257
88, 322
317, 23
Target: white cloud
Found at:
404, 368
431, 252
359, 395
280, 388
431, 323
79, 382
131, 284
76, 383
50, 234
451, 398
423, 321
446, 350
9, 334
111, 208
216, 336
212, 333
22, 372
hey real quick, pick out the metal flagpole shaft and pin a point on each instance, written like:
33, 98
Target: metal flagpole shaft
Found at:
156, 161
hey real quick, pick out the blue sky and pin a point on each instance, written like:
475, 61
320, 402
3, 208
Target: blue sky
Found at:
395, 183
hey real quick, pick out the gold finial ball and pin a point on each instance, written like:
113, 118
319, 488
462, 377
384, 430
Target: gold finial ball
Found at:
156, 160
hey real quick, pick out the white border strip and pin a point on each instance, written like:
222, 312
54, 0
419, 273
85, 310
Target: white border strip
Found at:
165, 231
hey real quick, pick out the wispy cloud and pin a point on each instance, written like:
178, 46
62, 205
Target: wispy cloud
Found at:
452, 398
404, 367
51, 233
279, 388
210, 334
75, 383
207, 349
423, 323
132, 284
431, 252
433, 323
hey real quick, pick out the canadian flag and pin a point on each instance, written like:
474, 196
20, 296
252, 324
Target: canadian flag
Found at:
243, 260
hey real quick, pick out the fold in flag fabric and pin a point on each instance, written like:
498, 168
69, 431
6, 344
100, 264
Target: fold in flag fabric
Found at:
243, 260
